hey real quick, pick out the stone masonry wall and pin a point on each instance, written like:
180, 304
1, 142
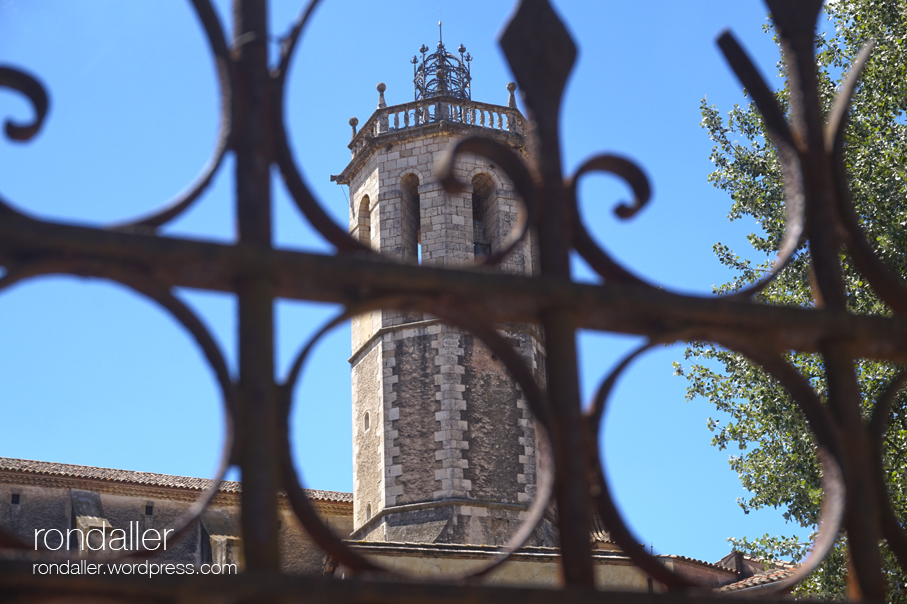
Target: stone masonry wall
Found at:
456, 428
365, 185
493, 419
410, 390
445, 225
368, 437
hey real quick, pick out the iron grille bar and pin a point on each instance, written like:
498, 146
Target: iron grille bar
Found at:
352, 280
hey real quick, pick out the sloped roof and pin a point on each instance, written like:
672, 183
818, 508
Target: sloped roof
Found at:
150, 479
757, 580
694, 561
600, 533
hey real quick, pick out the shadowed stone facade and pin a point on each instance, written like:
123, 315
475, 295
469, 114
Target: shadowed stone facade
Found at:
36, 496
444, 443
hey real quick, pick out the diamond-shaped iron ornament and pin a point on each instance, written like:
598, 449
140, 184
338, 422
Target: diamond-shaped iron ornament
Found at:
541, 54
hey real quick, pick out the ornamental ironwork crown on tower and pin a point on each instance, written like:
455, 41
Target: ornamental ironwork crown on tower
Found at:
442, 73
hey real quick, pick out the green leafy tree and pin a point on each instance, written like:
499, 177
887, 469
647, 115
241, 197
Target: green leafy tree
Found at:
775, 456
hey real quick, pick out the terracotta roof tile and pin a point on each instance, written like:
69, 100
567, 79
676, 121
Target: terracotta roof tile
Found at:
693, 560
757, 580
26, 466
600, 533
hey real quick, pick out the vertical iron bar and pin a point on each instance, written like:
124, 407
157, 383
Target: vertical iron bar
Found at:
796, 23
542, 54
808, 122
862, 520
258, 424
569, 448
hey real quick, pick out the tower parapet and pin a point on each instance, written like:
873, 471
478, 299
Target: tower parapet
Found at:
463, 116
444, 442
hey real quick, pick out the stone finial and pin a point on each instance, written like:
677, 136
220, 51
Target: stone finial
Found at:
354, 121
383, 125
511, 101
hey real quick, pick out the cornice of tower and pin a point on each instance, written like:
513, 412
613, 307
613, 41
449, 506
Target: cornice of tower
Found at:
363, 348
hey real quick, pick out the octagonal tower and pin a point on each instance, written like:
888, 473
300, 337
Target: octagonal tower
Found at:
444, 446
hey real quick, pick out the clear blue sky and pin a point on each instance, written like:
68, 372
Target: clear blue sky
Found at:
90, 374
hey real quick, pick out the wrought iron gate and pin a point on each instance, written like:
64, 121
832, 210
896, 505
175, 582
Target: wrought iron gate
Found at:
541, 55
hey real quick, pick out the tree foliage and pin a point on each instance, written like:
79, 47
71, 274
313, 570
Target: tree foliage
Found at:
775, 456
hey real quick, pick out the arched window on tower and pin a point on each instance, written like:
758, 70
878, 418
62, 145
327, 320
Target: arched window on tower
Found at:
482, 189
410, 219
365, 221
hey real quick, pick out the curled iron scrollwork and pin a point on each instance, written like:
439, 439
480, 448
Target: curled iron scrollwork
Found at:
292, 177
161, 295
217, 41
831, 515
513, 166
34, 92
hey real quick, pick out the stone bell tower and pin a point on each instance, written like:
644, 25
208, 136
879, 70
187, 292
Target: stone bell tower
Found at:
444, 445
